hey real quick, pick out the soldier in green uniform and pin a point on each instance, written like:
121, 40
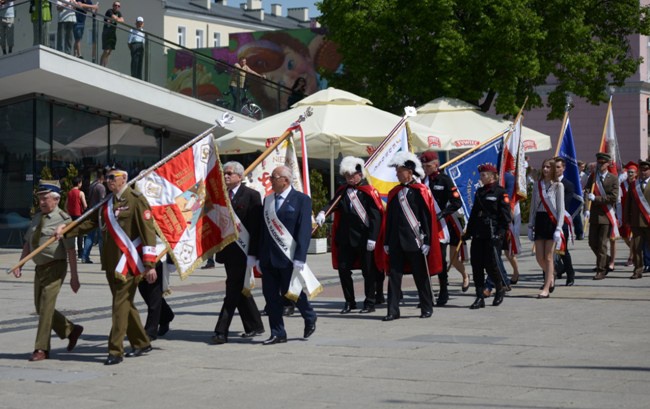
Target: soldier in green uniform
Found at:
128, 255
51, 268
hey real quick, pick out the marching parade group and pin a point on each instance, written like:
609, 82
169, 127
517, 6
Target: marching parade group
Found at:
413, 233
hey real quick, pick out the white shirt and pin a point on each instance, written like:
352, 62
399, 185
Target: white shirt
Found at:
136, 36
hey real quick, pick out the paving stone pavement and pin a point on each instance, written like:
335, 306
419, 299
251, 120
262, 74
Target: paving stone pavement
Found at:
588, 346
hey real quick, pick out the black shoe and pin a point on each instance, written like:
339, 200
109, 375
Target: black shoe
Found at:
498, 298
349, 306
367, 310
251, 334
478, 303
551, 288
207, 266
309, 330
443, 297
138, 351
163, 328
390, 317
426, 314
288, 310
113, 360
219, 339
87, 261
569, 282
275, 340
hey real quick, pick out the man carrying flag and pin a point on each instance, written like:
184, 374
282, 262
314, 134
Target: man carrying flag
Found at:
603, 188
358, 217
447, 202
128, 256
411, 235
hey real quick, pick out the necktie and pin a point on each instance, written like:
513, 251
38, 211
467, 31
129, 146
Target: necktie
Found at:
643, 185
230, 195
278, 202
36, 237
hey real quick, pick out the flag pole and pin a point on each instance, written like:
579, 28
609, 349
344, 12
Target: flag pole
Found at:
602, 144
227, 118
408, 112
560, 139
308, 112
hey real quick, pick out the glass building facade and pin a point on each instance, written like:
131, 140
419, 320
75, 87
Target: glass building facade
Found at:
38, 133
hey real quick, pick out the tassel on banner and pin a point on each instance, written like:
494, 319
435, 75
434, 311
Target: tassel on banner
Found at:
249, 283
303, 279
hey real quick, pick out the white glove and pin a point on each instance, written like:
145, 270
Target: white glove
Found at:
591, 196
320, 218
250, 261
370, 246
557, 236
298, 265
587, 214
425, 249
386, 249
531, 233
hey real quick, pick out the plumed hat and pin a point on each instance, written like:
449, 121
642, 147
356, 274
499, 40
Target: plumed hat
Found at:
407, 160
351, 165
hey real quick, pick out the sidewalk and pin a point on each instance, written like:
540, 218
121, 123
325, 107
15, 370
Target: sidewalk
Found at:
588, 346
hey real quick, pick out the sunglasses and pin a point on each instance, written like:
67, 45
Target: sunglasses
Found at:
230, 173
113, 176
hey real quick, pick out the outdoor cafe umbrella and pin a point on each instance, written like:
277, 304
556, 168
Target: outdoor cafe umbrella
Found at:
468, 126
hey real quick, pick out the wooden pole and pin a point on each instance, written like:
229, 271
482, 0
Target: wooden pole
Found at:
227, 118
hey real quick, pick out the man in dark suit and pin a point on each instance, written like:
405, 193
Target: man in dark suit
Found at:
247, 205
563, 262
357, 224
284, 238
602, 190
411, 235
636, 213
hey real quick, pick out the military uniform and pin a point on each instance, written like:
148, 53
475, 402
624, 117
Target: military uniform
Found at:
134, 217
635, 218
487, 226
447, 197
51, 269
599, 224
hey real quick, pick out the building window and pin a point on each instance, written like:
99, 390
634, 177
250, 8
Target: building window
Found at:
216, 42
181, 35
199, 38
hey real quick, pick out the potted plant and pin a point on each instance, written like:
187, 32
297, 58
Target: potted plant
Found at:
319, 200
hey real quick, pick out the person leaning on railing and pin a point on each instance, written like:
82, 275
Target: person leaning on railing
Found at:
7, 14
40, 37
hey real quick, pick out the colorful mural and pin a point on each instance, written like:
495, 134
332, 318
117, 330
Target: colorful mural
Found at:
282, 56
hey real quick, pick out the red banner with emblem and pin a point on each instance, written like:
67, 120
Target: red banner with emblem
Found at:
190, 205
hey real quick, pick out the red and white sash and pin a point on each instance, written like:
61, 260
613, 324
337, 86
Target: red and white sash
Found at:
122, 265
641, 201
410, 216
358, 206
133, 262
304, 279
610, 211
549, 206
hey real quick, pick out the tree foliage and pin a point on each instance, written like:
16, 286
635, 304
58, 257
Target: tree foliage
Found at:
402, 52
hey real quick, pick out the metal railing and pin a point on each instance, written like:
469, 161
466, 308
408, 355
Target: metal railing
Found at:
164, 63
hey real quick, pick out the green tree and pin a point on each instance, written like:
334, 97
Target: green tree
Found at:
398, 52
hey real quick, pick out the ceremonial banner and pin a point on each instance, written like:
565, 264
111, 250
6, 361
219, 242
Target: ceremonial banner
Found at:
567, 151
465, 174
380, 175
284, 154
609, 143
190, 205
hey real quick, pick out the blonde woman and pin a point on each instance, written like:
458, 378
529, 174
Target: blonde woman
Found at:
546, 220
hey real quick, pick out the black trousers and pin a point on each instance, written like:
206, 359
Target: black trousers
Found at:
443, 276
157, 308
484, 260
398, 258
235, 264
347, 255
